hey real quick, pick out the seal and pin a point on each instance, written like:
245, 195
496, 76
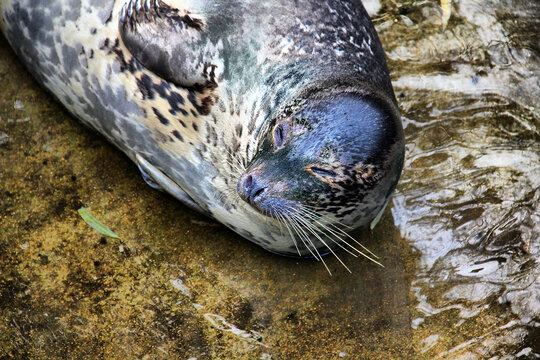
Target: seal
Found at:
276, 118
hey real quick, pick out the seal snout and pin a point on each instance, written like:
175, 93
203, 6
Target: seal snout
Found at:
263, 192
252, 190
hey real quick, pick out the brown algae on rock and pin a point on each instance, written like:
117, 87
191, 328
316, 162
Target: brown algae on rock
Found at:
459, 243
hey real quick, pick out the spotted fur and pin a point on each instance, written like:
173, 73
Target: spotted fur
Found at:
201, 123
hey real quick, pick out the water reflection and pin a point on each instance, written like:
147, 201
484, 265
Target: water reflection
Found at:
469, 199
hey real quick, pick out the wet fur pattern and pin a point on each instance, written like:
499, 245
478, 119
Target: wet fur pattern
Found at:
202, 123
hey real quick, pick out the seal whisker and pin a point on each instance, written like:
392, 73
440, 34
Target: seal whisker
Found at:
284, 214
235, 157
274, 213
338, 243
316, 219
290, 213
302, 238
330, 223
278, 213
229, 196
313, 245
240, 166
234, 160
306, 240
231, 160
290, 232
234, 167
342, 240
236, 171
310, 228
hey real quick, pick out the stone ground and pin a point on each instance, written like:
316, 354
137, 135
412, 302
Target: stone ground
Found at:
177, 285
462, 283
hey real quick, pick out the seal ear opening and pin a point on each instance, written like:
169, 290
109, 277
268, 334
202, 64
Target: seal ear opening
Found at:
165, 40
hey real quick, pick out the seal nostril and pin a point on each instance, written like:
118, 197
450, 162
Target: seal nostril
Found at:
252, 189
257, 193
248, 182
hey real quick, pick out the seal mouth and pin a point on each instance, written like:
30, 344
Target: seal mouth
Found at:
312, 233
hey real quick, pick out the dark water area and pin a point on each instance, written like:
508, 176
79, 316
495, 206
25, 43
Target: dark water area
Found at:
460, 241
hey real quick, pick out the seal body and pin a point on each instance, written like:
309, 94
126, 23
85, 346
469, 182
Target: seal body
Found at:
276, 118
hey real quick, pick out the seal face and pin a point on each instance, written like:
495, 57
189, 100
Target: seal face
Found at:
334, 160
276, 118
305, 163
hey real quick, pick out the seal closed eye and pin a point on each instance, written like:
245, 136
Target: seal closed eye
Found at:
276, 118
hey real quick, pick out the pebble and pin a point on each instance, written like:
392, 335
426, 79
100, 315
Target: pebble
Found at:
4, 138
18, 105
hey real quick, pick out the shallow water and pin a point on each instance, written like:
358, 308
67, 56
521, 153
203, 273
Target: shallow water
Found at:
460, 243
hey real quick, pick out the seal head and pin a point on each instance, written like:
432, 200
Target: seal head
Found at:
336, 156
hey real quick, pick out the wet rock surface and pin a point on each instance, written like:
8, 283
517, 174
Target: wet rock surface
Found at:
460, 243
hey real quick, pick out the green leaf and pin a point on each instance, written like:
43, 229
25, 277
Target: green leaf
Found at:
96, 224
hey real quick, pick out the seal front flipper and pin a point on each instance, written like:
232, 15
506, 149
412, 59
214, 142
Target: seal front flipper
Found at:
158, 180
142, 164
167, 41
